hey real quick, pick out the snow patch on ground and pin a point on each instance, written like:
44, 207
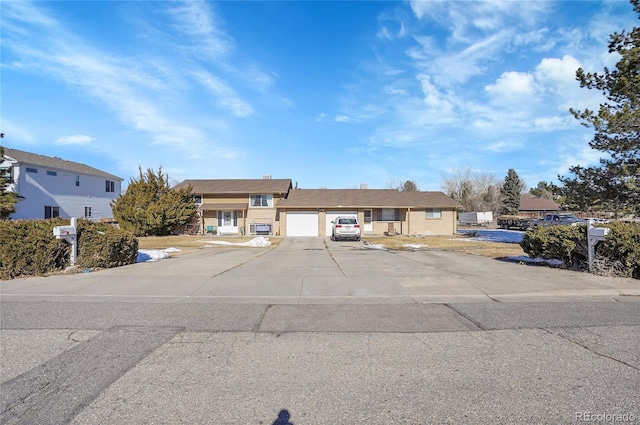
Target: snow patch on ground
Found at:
504, 236
525, 259
258, 241
414, 245
373, 246
148, 255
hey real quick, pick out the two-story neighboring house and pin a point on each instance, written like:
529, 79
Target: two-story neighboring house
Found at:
52, 187
238, 206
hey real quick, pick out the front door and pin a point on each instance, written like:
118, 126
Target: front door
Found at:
227, 222
368, 221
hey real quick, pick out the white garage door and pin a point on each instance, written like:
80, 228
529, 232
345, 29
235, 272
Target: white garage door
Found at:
302, 223
331, 216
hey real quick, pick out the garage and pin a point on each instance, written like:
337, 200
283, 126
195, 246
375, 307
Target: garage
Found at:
331, 216
302, 223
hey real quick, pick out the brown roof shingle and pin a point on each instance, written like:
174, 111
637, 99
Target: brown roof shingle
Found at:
363, 198
245, 186
55, 163
538, 204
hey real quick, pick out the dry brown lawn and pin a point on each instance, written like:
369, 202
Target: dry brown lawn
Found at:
188, 244
458, 243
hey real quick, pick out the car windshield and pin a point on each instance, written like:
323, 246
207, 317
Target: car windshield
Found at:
347, 221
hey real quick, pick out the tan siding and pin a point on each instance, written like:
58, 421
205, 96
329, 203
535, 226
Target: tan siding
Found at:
420, 225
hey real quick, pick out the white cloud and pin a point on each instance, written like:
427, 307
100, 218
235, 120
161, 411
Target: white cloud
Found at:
512, 83
342, 118
225, 95
553, 123
557, 71
197, 19
502, 147
583, 156
13, 131
77, 139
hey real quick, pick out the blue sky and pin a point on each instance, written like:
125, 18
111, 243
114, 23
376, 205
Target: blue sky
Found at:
329, 94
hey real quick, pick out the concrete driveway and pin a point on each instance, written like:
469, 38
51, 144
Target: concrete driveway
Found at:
320, 271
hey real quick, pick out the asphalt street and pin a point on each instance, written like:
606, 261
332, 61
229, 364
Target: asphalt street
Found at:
317, 332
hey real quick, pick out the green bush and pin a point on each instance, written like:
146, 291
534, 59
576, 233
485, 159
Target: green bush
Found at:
28, 247
565, 243
620, 252
104, 246
621, 249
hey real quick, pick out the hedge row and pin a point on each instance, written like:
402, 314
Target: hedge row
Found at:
28, 247
618, 255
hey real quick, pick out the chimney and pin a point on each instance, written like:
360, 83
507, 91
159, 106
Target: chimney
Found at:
364, 186
266, 177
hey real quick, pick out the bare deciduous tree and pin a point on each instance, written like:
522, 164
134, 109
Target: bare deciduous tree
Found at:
475, 191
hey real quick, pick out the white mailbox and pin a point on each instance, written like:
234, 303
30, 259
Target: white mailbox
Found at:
60, 231
68, 233
598, 233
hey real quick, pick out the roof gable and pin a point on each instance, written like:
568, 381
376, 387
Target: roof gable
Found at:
29, 158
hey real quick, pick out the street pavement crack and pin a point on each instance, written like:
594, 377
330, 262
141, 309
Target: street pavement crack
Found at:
469, 318
586, 347
333, 259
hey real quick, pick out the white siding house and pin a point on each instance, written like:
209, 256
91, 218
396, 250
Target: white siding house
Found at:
52, 187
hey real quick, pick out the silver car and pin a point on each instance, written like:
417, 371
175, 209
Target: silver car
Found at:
345, 227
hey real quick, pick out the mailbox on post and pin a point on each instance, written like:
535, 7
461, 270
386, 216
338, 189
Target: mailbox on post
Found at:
60, 231
68, 233
594, 235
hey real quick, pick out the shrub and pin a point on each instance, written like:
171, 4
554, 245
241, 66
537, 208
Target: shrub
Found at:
622, 248
618, 255
28, 247
104, 246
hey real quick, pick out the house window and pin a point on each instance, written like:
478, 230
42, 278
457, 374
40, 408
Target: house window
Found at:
433, 213
197, 199
367, 216
51, 212
260, 201
110, 186
5, 173
31, 170
388, 214
52, 173
77, 180
87, 212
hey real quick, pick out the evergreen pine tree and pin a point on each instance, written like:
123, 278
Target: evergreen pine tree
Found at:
150, 207
511, 190
615, 183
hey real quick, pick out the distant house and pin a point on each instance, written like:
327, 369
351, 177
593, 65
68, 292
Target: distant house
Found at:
535, 207
238, 206
50, 187
309, 212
